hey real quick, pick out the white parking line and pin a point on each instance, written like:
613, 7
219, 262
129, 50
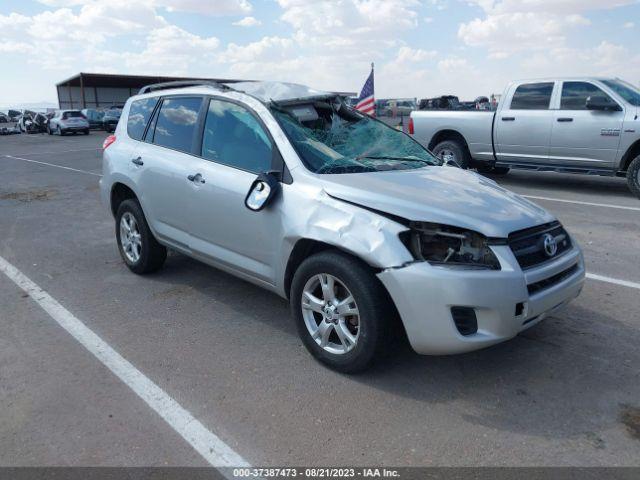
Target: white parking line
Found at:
562, 200
616, 281
206, 443
96, 149
53, 165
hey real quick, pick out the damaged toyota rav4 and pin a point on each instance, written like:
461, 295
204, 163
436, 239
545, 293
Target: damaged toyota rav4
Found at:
365, 232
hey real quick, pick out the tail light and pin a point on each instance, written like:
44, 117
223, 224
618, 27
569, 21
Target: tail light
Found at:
410, 127
108, 141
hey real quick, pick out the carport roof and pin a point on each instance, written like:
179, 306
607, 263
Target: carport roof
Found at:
125, 81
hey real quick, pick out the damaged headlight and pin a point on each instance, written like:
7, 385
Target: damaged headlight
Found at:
449, 246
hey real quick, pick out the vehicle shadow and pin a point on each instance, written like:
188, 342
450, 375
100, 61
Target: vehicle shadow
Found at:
584, 184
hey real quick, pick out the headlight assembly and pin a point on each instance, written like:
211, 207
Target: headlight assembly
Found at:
448, 246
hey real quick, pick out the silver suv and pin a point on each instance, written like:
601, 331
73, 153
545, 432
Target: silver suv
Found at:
367, 234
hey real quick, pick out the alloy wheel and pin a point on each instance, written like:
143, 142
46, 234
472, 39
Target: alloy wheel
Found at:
330, 314
130, 237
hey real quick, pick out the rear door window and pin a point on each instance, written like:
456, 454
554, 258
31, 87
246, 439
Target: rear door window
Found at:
532, 96
177, 123
139, 115
575, 94
233, 136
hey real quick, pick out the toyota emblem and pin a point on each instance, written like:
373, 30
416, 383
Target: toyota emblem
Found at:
549, 244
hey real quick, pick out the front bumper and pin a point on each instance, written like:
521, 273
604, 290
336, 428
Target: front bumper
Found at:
424, 295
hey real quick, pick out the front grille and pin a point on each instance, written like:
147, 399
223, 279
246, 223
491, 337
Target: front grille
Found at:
528, 245
536, 287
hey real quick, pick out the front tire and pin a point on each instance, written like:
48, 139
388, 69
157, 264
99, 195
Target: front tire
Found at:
138, 247
342, 312
633, 176
452, 150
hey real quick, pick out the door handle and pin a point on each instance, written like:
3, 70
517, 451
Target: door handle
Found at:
508, 119
197, 178
565, 119
137, 161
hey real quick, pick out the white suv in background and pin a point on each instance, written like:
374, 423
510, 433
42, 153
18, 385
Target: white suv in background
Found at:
68, 121
366, 233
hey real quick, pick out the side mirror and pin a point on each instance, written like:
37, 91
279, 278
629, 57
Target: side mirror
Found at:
602, 103
262, 191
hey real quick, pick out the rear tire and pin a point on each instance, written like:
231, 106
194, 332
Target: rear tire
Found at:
138, 247
367, 318
453, 150
86, 132
633, 176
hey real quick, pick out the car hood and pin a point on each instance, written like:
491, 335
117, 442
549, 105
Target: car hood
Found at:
446, 195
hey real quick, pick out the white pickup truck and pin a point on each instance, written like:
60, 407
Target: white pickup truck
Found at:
575, 125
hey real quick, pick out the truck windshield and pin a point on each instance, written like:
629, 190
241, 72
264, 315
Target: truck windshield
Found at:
331, 138
630, 93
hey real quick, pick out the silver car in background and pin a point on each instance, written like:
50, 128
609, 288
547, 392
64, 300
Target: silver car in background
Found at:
367, 234
68, 121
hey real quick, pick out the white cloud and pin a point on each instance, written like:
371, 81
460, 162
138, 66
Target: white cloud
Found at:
427, 19
267, 50
629, 25
512, 26
248, 22
207, 7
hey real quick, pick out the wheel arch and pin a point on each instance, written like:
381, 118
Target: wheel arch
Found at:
447, 134
119, 193
304, 248
632, 152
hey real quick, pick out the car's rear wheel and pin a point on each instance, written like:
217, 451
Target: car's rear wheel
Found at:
138, 247
342, 311
86, 132
452, 151
633, 176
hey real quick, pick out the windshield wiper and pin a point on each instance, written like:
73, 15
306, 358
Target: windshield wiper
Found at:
403, 159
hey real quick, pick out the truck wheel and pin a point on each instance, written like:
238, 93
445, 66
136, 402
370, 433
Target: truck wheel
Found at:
452, 151
138, 247
341, 310
633, 176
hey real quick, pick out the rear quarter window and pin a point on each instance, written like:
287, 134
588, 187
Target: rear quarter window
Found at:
139, 115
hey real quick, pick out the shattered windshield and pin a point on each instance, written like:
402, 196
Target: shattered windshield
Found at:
330, 138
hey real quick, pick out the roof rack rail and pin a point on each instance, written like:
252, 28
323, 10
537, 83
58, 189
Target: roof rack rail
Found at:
182, 84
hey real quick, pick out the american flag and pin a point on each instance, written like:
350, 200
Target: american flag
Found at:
366, 100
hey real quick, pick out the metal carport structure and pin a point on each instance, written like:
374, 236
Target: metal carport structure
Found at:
100, 90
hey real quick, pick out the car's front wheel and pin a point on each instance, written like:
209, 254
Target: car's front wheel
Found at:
633, 176
138, 247
342, 311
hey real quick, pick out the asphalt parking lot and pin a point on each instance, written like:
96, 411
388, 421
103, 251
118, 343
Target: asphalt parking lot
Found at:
566, 392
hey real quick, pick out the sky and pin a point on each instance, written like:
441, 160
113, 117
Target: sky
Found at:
421, 48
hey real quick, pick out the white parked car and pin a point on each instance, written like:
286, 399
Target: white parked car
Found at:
365, 232
68, 121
